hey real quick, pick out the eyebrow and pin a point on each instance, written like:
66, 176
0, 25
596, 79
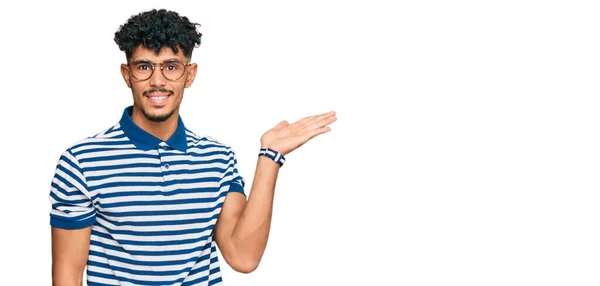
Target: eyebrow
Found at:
165, 61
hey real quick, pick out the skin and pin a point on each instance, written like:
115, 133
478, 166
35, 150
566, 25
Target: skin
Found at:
146, 114
243, 227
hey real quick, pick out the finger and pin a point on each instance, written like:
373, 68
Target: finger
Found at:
303, 121
313, 133
282, 124
318, 118
318, 123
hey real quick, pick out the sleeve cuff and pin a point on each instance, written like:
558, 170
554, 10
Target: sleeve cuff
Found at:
235, 187
57, 222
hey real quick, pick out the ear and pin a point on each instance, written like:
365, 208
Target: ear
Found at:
126, 75
192, 69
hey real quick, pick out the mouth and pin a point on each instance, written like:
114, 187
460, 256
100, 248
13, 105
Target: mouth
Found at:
158, 98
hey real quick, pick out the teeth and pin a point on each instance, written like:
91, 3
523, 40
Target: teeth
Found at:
159, 97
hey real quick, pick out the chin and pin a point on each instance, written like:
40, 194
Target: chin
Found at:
158, 116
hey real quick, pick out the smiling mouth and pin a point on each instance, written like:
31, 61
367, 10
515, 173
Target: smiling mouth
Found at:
158, 98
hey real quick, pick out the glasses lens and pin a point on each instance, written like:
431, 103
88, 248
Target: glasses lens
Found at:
173, 70
142, 70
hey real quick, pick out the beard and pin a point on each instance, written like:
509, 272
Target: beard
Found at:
157, 118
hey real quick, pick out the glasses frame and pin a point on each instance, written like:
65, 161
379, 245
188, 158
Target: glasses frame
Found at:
153, 64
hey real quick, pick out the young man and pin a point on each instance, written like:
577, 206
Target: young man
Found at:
147, 201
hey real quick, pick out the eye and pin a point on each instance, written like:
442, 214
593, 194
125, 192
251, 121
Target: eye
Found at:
171, 67
143, 66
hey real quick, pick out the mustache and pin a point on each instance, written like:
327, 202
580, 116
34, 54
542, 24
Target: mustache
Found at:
158, 90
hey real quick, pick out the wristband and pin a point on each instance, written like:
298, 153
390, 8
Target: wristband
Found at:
274, 155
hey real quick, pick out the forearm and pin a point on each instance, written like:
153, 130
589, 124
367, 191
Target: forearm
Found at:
66, 275
243, 227
70, 248
252, 229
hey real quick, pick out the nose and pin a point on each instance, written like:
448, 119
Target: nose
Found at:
157, 79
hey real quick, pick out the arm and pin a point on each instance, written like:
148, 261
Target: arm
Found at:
70, 249
243, 227
71, 218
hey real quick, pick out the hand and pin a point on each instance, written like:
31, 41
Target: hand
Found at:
285, 138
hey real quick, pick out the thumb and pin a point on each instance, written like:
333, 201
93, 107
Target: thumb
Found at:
282, 124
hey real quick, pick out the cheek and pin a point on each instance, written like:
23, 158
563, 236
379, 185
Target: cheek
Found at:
137, 89
178, 88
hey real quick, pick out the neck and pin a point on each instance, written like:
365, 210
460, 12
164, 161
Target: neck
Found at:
161, 130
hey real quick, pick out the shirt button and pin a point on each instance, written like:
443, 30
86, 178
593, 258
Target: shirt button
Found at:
165, 148
167, 166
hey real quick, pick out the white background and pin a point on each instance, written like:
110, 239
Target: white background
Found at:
466, 150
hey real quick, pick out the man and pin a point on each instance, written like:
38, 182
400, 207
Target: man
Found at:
147, 201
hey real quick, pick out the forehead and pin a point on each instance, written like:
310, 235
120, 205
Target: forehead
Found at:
166, 53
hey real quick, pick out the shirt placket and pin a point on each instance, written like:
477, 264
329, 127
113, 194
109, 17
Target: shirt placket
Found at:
163, 149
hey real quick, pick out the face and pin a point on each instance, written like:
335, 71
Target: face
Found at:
158, 97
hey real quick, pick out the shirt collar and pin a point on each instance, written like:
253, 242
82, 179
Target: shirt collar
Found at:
146, 141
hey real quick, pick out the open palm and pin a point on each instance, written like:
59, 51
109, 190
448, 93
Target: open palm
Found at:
285, 137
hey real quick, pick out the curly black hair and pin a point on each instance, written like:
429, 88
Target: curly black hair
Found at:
156, 29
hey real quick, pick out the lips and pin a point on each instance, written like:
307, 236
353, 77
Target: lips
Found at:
158, 98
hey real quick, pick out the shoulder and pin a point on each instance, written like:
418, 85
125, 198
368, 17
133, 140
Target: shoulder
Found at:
207, 143
112, 136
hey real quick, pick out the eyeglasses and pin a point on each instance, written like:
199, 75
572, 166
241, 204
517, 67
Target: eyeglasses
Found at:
171, 70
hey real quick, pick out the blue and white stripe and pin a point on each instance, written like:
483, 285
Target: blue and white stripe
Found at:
152, 204
274, 155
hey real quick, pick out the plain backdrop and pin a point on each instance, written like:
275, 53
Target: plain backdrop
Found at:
466, 150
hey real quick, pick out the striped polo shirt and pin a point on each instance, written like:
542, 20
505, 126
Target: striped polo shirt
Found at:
152, 204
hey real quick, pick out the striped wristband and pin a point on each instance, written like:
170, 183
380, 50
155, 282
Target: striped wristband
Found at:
274, 155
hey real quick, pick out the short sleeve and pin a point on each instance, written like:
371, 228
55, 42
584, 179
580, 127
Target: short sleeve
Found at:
233, 181
72, 207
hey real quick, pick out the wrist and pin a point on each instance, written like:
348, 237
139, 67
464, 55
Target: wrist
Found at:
272, 147
273, 154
